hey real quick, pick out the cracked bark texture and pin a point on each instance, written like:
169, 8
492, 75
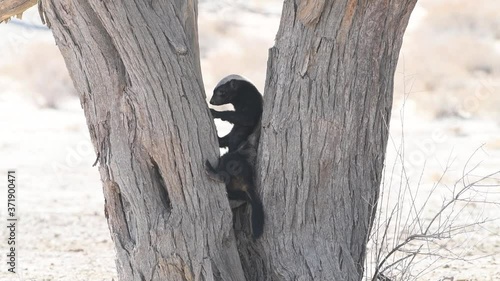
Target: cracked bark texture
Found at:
328, 100
136, 67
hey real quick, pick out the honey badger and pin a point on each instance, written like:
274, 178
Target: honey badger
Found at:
235, 169
247, 102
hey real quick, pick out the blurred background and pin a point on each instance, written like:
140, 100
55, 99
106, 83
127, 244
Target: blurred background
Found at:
445, 124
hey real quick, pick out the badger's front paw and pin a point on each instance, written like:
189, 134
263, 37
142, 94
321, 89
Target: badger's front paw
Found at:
215, 114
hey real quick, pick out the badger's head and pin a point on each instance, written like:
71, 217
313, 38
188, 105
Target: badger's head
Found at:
227, 89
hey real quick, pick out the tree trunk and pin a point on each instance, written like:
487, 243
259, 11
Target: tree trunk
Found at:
136, 67
328, 98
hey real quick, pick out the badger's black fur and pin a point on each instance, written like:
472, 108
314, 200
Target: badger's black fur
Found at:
235, 169
247, 102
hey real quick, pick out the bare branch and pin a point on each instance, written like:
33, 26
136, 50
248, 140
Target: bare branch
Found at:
10, 8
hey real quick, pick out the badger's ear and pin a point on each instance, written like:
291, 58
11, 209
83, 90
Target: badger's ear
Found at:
233, 84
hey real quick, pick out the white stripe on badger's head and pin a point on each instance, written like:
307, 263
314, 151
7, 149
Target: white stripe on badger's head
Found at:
231, 77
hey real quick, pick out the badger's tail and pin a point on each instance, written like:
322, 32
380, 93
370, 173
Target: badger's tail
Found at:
257, 214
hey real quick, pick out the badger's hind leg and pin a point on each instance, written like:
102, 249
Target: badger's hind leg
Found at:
211, 172
243, 188
238, 195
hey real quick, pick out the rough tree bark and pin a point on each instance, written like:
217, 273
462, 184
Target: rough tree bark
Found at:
328, 99
136, 67
328, 102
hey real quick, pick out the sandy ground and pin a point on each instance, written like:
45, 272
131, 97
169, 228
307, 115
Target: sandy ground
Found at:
62, 233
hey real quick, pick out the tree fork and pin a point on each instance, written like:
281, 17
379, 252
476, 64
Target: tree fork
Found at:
328, 100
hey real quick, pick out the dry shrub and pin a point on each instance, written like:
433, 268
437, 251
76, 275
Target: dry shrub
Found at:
420, 228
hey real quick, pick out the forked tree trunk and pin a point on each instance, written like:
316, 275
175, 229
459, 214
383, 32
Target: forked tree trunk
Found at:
328, 98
